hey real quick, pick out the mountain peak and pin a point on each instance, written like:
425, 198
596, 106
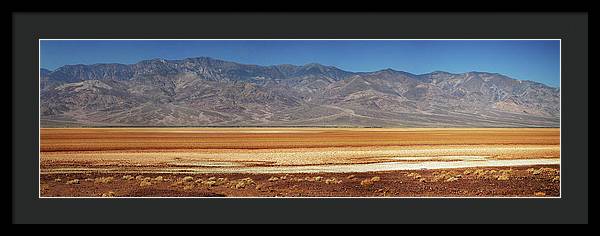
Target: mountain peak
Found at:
440, 72
389, 70
314, 64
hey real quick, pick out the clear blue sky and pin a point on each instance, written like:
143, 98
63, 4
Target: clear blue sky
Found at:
537, 60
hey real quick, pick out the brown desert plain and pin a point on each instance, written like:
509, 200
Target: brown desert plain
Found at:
300, 162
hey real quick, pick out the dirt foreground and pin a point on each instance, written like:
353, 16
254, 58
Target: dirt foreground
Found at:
299, 162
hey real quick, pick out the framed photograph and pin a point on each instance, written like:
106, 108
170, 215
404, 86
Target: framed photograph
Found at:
340, 113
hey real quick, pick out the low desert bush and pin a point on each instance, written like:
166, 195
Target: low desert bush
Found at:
73, 181
451, 179
376, 179
351, 176
127, 177
187, 179
109, 194
241, 183
539, 194
209, 183
366, 182
221, 181
333, 181
103, 180
448, 176
145, 183
414, 175
158, 178
273, 179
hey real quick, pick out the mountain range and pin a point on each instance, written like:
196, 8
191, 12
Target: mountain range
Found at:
204, 91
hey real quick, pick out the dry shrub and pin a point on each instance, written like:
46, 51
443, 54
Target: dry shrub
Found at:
188, 186
543, 170
351, 176
127, 177
239, 185
259, 187
103, 180
247, 180
414, 175
481, 173
88, 179
556, 179
446, 176
158, 178
139, 177
530, 170
57, 180
273, 179
333, 181
549, 170
45, 187
503, 177
505, 172
451, 179
145, 183
214, 182
376, 179
242, 183
467, 172
298, 179
74, 181
109, 194
209, 183
212, 178
539, 194
318, 178
366, 182
187, 179
422, 180
221, 181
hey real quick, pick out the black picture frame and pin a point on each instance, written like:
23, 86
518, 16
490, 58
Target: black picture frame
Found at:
571, 28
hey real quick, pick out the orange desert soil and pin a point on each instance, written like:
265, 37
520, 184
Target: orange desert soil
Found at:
299, 162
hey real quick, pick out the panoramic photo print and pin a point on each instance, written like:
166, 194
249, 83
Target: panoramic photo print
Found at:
299, 118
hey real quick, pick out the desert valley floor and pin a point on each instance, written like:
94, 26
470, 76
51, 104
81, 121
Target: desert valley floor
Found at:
300, 162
